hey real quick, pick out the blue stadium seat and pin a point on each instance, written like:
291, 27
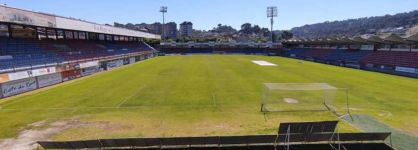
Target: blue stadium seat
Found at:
32, 52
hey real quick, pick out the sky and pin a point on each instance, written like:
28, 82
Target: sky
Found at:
206, 14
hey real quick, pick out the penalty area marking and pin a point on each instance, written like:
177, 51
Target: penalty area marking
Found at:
263, 63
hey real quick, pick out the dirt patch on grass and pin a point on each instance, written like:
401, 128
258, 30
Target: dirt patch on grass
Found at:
41, 131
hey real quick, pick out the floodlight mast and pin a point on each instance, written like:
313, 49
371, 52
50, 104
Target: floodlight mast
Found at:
163, 10
271, 13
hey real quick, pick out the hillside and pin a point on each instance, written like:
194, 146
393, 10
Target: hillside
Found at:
398, 23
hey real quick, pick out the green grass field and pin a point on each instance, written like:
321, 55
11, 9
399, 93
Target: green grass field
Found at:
202, 95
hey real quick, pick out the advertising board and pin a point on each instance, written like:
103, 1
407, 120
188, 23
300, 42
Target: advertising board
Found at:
114, 64
70, 74
65, 68
89, 64
405, 69
89, 70
19, 75
43, 71
50, 79
19, 86
132, 60
4, 78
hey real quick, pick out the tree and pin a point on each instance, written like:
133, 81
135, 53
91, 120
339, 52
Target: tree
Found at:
286, 35
116, 24
223, 29
265, 32
246, 28
256, 29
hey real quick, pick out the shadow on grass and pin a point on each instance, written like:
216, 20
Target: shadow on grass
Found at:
400, 139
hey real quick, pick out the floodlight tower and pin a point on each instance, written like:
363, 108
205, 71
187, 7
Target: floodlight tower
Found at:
163, 10
271, 13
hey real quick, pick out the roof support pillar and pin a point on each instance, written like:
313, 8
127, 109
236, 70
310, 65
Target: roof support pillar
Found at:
64, 34
9, 27
56, 33
36, 33
410, 47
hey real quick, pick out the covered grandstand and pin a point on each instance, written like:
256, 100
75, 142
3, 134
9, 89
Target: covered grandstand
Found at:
39, 49
218, 47
388, 53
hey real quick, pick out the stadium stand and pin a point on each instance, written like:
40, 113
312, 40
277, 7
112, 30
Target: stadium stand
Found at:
349, 58
25, 53
189, 50
221, 48
364, 57
36, 54
340, 55
296, 52
31, 53
388, 53
317, 54
392, 59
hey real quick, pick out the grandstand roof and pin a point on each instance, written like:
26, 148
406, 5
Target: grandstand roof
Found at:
359, 39
337, 41
345, 40
366, 39
393, 38
376, 39
331, 40
40, 19
413, 38
292, 41
296, 41
309, 41
317, 41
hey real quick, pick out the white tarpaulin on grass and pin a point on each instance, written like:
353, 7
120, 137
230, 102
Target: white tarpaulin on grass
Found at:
263, 63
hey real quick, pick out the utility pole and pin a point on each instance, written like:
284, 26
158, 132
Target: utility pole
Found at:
163, 10
271, 13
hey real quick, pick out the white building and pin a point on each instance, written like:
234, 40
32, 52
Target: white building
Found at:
186, 29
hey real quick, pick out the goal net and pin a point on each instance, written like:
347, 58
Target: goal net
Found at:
288, 97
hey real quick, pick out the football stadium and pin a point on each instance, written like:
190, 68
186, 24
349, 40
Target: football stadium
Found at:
73, 84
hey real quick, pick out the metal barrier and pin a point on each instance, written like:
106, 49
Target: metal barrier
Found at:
220, 141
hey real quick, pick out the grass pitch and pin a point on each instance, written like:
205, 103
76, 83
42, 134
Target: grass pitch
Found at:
202, 95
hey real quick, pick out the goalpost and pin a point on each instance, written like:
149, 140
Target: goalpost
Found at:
293, 97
